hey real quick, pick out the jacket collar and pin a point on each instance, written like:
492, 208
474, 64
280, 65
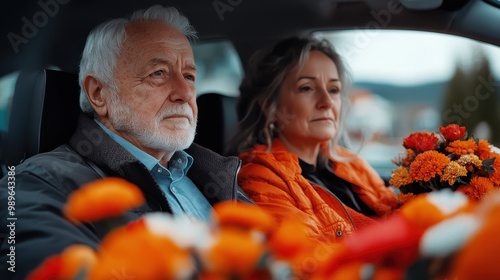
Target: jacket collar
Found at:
278, 159
212, 173
348, 169
215, 175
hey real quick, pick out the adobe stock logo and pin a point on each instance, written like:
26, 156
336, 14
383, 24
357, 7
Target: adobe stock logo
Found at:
225, 6
39, 19
484, 89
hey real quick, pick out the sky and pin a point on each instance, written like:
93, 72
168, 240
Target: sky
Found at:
408, 57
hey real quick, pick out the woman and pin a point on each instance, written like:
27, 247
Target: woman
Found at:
288, 140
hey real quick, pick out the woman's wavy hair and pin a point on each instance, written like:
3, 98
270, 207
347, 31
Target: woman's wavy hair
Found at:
259, 92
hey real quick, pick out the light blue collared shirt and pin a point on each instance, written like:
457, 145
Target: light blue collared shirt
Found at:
182, 194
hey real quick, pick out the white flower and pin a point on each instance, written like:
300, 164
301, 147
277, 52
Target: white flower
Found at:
183, 230
494, 149
447, 201
449, 235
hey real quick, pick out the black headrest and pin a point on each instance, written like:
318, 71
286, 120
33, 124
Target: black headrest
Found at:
43, 113
216, 120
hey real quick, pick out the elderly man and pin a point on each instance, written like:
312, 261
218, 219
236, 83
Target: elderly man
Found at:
138, 96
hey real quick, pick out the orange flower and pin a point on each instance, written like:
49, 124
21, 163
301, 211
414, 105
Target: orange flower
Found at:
242, 215
400, 177
422, 212
482, 183
477, 189
478, 258
286, 246
50, 268
134, 252
108, 197
452, 132
67, 265
404, 158
483, 149
428, 165
410, 156
421, 141
234, 254
75, 258
452, 172
462, 147
467, 160
403, 198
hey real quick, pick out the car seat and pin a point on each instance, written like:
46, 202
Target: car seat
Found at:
43, 114
217, 120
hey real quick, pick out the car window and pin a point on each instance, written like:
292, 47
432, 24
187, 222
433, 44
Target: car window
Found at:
407, 81
7, 85
7, 88
219, 68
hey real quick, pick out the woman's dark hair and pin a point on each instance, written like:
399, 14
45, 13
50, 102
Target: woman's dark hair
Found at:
259, 90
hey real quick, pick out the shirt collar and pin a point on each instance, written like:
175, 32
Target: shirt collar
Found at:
148, 160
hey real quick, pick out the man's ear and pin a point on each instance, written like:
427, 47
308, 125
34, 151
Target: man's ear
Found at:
93, 89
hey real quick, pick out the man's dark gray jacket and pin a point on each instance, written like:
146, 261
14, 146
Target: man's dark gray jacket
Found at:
44, 182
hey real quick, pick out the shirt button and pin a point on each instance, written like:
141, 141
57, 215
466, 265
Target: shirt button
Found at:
173, 189
159, 170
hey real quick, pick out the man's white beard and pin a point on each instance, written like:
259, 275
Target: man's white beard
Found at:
150, 134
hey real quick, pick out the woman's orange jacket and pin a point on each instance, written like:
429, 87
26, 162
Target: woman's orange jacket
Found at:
274, 181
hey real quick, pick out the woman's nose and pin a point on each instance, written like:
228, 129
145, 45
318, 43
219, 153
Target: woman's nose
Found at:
325, 99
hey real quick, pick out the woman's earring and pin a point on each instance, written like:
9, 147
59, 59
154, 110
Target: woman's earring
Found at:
274, 127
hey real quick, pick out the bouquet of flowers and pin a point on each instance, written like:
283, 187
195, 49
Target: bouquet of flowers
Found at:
449, 159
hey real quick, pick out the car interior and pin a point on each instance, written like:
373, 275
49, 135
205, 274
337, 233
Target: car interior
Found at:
42, 44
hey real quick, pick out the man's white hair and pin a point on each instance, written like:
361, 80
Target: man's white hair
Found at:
104, 43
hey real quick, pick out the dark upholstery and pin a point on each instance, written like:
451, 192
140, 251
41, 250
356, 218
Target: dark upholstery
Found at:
43, 114
216, 120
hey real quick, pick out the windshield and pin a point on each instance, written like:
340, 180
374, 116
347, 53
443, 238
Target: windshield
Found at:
407, 81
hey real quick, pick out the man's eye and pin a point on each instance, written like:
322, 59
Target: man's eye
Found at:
158, 73
190, 77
